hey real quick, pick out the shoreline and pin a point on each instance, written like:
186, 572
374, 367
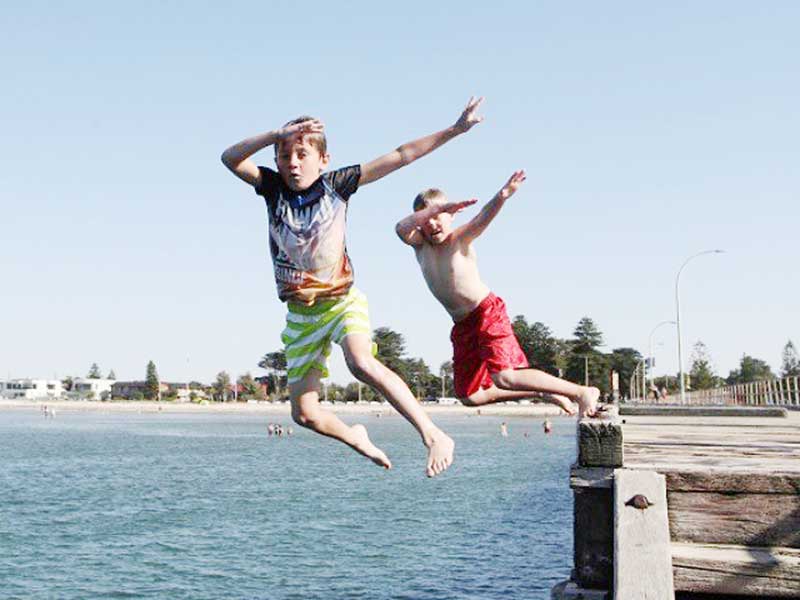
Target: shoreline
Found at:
144, 406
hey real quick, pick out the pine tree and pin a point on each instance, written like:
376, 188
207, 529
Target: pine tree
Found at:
94, 372
587, 337
151, 381
702, 372
111, 375
790, 365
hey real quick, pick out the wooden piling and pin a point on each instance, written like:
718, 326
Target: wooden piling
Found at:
732, 501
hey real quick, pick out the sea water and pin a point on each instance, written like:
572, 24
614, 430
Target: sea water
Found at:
166, 505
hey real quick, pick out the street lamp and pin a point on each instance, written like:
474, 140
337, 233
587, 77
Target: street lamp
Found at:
678, 317
650, 345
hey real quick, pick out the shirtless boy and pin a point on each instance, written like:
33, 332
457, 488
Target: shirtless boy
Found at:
488, 363
314, 276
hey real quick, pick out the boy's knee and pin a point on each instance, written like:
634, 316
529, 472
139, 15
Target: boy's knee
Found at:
303, 416
469, 401
503, 379
362, 367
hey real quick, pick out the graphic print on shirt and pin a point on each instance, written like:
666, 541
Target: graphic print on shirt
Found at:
307, 235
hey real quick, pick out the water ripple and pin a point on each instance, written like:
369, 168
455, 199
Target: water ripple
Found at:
197, 507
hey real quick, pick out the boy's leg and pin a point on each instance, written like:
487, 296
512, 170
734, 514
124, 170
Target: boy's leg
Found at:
365, 367
306, 411
533, 380
494, 394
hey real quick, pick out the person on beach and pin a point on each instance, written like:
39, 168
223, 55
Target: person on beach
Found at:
314, 276
488, 363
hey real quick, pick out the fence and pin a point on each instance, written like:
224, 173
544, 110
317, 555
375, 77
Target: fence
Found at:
769, 392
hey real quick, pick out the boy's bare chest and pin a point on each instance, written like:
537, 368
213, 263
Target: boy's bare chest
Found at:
446, 261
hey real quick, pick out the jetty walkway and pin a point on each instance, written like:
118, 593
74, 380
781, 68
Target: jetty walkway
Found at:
687, 501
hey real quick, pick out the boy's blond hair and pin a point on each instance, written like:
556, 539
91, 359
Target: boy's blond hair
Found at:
317, 140
424, 198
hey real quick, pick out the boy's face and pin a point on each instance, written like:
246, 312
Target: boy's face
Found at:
438, 228
300, 162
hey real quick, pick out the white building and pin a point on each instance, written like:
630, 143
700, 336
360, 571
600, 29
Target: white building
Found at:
31, 389
92, 389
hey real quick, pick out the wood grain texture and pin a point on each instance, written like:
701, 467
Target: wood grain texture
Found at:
739, 519
600, 443
642, 551
721, 569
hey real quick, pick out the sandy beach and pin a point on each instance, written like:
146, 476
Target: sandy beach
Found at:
510, 410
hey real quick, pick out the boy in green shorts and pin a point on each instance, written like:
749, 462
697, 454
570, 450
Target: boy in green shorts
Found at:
307, 209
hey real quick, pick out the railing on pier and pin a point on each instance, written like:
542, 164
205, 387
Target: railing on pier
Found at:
769, 392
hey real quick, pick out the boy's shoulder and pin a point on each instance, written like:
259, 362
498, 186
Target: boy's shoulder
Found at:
343, 181
335, 187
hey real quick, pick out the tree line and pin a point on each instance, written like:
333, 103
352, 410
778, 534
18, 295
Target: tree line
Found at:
578, 359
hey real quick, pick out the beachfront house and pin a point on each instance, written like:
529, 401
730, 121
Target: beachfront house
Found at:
31, 389
91, 389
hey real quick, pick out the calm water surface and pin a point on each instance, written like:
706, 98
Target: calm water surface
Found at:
208, 506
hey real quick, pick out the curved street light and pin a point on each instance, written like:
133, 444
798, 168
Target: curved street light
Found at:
678, 318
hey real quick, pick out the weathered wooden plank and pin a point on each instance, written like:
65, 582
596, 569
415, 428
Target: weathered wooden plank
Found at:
598, 477
593, 537
644, 410
600, 443
733, 481
696, 478
642, 552
739, 519
736, 570
569, 590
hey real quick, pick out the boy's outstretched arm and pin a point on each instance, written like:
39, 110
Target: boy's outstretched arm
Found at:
237, 157
411, 151
408, 228
475, 227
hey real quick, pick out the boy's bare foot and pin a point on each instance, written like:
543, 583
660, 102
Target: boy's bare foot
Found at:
587, 401
367, 448
440, 453
562, 402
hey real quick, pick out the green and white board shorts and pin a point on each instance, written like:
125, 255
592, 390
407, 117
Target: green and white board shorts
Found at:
311, 329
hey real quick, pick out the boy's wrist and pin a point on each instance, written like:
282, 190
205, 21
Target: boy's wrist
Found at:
457, 129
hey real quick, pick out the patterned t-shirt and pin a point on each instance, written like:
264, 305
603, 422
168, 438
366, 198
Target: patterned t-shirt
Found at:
307, 234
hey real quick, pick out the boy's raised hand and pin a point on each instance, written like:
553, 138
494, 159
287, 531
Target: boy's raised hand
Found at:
302, 128
512, 185
469, 117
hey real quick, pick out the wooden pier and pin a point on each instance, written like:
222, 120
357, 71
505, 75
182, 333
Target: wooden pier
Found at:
685, 504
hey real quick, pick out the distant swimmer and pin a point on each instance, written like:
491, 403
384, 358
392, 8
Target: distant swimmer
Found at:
270, 428
547, 426
504, 429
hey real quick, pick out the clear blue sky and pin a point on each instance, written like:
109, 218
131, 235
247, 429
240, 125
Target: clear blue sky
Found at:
649, 132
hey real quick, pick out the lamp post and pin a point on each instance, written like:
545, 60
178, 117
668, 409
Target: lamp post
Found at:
650, 345
678, 318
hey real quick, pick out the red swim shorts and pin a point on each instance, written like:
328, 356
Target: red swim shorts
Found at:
484, 343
